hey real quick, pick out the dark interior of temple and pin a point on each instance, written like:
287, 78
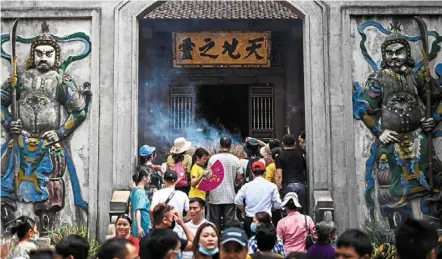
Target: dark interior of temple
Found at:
262, 102
224, 106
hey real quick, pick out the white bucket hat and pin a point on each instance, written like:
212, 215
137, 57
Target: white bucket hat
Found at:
180, 145
265, 151
291, 196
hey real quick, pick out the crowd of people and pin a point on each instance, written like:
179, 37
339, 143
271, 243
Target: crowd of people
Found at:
256, 211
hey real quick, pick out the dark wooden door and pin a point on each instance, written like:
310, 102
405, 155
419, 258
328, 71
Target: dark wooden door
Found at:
182, 108
261, 111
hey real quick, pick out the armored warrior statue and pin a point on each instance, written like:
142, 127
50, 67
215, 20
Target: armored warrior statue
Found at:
395, 114
45, 95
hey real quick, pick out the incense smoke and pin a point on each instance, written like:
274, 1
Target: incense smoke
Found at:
156, 121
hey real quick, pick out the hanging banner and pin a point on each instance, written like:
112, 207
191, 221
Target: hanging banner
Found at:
221, 49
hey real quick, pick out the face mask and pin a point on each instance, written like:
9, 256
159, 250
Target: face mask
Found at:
179, 255
208, 252
253, 227
34, 238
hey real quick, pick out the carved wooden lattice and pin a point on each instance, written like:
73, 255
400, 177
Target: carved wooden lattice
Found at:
262, 111
182, 107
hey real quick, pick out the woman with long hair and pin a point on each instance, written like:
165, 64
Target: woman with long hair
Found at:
140, 204
206, 242
259, 219
180, 162
26, 230
198, 173
123, 227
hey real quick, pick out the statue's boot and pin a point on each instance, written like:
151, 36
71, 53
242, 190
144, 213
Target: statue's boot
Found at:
46, 221
8, 207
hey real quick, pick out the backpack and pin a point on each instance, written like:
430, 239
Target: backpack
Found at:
181, 172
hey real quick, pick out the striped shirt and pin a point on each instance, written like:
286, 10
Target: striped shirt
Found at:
225, 192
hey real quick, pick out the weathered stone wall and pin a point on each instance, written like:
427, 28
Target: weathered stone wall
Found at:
105, 146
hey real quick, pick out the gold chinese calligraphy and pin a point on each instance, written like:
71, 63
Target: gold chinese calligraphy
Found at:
221, 49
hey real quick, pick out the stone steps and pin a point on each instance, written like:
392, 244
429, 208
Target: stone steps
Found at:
118, 206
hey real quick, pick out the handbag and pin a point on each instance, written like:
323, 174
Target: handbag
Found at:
309, 240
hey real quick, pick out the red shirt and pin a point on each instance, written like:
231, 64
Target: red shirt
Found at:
134, 241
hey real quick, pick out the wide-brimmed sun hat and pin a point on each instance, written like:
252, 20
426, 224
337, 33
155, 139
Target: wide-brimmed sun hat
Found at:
180, 145
265, 151
291, 196
251, 147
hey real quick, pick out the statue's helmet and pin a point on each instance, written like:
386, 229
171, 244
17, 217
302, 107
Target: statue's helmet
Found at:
44, 39
396, 37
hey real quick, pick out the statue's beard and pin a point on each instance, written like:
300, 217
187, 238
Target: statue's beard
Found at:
397, 66
43, 66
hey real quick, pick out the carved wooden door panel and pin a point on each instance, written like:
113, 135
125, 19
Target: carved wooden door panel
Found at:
182, 108
261, 111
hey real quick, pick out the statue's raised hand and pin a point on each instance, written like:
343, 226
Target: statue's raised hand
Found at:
428, 124
388, 136
51, 136
16, 127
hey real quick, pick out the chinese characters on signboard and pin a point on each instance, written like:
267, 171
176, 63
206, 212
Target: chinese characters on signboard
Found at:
221, 49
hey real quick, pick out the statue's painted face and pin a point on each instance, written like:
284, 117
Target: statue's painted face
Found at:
44, 57
396, 56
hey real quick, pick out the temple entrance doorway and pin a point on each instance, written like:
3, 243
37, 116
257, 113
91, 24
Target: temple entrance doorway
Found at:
243, 73
226, 107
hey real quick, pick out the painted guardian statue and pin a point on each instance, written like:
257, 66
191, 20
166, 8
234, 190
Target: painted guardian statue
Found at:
392, 106
50, 108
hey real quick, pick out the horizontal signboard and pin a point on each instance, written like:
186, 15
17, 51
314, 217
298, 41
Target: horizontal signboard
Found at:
221, 49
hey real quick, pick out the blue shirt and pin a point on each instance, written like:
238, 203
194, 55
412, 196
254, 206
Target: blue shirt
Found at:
139, 201
258, 195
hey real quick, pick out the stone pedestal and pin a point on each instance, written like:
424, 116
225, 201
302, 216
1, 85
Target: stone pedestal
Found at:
323, 202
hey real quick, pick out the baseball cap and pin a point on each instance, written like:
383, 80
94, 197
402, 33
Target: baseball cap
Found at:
170, 176
236, 235
146, 150
291, 196
258, 166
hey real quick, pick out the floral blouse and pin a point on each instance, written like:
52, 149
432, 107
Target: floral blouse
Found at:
21, 250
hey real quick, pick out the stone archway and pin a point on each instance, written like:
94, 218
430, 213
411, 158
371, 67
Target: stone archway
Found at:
315, 51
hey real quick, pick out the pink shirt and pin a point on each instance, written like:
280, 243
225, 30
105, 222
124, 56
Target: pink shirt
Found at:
292, 231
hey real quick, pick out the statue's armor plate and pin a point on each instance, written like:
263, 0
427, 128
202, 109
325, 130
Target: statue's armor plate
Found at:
39, 108
402, 109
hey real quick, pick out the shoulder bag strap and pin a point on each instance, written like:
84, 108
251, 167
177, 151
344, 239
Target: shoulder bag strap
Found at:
170, 197
306, 226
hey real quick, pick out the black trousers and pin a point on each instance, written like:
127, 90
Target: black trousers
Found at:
247, 222
226, 211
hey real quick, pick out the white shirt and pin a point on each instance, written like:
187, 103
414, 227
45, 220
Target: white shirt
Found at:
243, 164
225, 192
179, 201
193, 228
259, 195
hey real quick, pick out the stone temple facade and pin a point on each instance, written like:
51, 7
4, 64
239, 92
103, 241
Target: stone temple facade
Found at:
321, 63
